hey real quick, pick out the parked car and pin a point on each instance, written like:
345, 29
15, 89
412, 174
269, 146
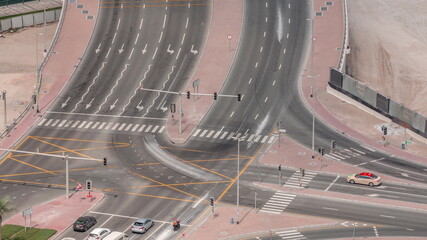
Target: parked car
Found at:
142, 225
82, 224
98, 233
364, 178
116, 236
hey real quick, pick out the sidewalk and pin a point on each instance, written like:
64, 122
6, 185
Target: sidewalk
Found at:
59, 214
20, 8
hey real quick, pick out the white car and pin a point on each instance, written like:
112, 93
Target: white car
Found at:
98, 233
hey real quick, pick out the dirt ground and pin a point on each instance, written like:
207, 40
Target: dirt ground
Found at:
388, 42
18, 67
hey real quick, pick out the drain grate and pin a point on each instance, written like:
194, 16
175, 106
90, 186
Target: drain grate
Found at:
89, 17
85, 11
324, 8
79, 6
319, 14
329, 3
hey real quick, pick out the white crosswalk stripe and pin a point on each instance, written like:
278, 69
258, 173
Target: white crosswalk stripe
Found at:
88, 125
61, 123
197, 132
82, 124
290, 234
102, 125
278, 202
297, 181
42, 121
344, 154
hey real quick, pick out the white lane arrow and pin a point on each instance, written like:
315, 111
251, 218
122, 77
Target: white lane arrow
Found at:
98, 49
114, 104
163, 108
407, 175
90, 104
193, 51
65, 103
145, 49
121, 49
169, 50
140, 107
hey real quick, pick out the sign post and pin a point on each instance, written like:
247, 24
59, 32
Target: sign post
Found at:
229, 37
25, 213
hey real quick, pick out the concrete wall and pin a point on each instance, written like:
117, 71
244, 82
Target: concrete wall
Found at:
29, 20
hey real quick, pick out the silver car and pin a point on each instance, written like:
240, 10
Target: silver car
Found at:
142, 225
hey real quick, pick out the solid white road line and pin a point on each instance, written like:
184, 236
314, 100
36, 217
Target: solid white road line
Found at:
330, 185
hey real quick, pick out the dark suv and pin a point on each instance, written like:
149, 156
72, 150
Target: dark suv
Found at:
84, 223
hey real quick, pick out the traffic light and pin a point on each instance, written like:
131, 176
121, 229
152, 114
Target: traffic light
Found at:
88, 184
280, 167
322, 151
212, 199
105, 161
173, 108
385, 130
215, 96
188, 94
333, 143
239, 97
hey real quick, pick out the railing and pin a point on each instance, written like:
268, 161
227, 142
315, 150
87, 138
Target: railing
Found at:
39, 77
10, 2
345, 40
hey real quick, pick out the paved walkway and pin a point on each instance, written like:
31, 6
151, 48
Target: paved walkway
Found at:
25, 7
61, 213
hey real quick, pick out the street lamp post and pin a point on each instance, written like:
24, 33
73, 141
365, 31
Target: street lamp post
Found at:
5, 110
238, 174
38, 70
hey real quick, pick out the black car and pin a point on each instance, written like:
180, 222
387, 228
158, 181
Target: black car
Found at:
84, 223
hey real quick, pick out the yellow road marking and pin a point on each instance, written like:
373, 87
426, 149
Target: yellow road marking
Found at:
56, 171
76, 140
31, 165
153, 196
174, 184
15, 149
162, 184
66, 149
38, 183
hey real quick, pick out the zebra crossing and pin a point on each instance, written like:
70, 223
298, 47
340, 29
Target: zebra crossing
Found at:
278, 203
296, 181
342, 154
100, 125
225, 135
290, 234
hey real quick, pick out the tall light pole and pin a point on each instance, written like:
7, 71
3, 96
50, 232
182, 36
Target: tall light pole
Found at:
238, 174
38, 70
313, 83
5, 110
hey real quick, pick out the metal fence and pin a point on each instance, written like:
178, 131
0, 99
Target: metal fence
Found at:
29, 19
9, 2
397, 112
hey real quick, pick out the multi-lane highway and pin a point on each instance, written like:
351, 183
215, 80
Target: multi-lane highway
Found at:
106, 111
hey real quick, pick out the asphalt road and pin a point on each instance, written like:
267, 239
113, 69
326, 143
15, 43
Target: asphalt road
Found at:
107, 111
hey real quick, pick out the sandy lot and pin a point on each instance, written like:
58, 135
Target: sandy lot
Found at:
388, 41
18, 67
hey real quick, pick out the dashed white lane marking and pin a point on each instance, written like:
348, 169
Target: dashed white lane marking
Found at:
266, 99
387, 216
287, 35
186, 24
164, 21
137, 37
256, 65
280, 66
155, 52
328, 208
232, 114
289, 5
260, 50
250, 80
108, 53
183, 38
256, 116
266, 19
118, 25
274, 82
265, 33
177, 55
284, 51
197, 132
114, 38
289, 21
266, 4
160, 38
140, 24
130, 55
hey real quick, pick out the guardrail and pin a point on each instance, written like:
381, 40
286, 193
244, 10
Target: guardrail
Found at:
39, 77
345, 40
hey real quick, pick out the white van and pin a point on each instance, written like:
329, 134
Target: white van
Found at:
116, 236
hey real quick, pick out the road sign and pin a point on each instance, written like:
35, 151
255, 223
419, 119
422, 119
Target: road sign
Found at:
229, 37
196, 83
27, 212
